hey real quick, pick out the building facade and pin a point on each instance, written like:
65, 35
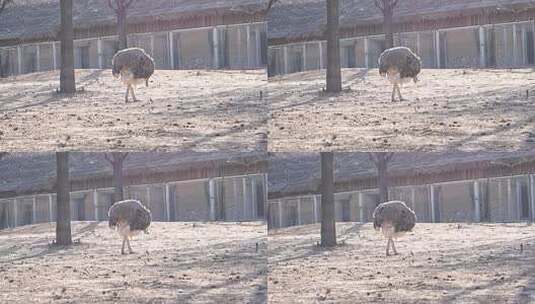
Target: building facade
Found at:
212, 38
482, 37
500, 199
206, 192
487, 191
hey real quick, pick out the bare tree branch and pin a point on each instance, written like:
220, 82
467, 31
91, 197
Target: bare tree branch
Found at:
3, 4
108, 159
115, 157
379, 4
127, 5
373, 157
270, 4
110, 4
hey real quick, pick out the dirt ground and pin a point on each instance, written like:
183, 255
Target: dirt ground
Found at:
175, 263
194, 110
438, 263
445, 110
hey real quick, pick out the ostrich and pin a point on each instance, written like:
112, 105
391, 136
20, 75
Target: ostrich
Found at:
134, 66
399, 65
129, 217
394, 218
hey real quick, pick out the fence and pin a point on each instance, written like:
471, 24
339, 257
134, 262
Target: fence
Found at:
236, 198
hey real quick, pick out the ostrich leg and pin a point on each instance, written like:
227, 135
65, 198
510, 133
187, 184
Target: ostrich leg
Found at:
394, 247
133, 94
388, 247
128, 243
399, 93
127, 92
394, 92
122, 248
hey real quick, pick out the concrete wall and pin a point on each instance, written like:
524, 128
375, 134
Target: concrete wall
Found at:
236, 198
240, 46
501, 45
505, 199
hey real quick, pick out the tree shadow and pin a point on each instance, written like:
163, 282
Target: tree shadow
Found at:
233, 257
44, 246
53, 96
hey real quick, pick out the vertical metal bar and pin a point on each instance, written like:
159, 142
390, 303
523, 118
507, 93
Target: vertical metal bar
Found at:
248, 34
437, 48
304, 57
518, 200
211, 187
477, 206
361, 207
266, 192
95, 203
244, 198
321, 54
148, 203
509, 198
316, 218
524, 47
413, 197
253, 199
432, 201
34, 209
15, 212
216, 47
515, 47
54, 54
258, 48
19, 59
167, 207
285, 58
482, 47
38, 57
152, 44
418, 43
171, 50
299, 211
280, 214
366, 52
50, 209
100, 54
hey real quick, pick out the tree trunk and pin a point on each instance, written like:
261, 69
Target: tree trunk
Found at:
122, 29
328, 220
118, 183
388, 28
334, 74
63, 217
381, 160
66, 79
116, 159
382, 177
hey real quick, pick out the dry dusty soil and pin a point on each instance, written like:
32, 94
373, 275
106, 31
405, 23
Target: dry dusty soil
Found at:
194, 110
438, 263
175, 263
445, 110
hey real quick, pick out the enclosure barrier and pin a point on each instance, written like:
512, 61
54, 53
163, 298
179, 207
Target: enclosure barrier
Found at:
502, 199
236, 199
237, 46
505, 45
